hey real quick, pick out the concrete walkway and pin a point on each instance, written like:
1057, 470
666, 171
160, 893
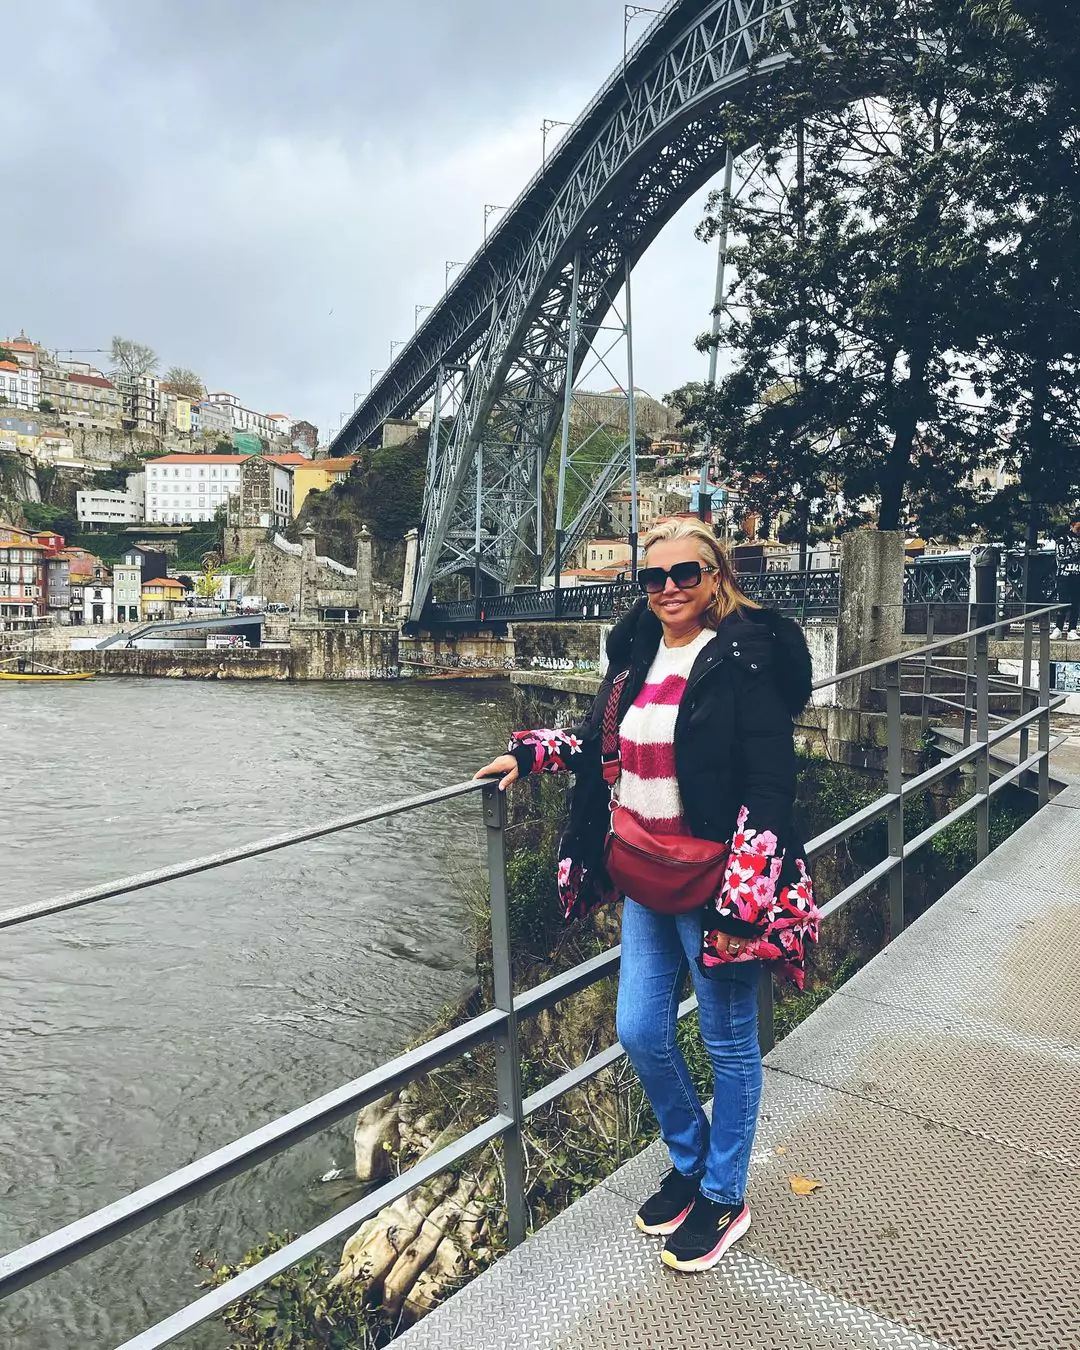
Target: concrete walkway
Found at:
936, 1097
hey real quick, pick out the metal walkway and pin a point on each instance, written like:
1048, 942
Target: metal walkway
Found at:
935, 1097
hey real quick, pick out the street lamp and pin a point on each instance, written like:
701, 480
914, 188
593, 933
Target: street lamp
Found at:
489, 211
545, 126
355, 401
420, 310
630, 12
393, 348
371, 386
449, 268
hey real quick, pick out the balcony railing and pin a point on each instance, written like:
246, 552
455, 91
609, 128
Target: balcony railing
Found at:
499, 1024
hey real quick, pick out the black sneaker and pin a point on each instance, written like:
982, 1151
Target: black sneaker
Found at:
663, 1212
706, 1235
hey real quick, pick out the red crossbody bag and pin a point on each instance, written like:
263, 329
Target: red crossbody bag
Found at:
668, 873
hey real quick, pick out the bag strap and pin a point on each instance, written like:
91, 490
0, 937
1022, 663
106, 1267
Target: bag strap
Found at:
610, 753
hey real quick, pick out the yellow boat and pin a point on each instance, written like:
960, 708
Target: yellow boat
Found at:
30, 675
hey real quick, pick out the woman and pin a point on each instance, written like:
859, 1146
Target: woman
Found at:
703, 685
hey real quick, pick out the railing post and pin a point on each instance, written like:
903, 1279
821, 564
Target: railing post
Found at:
969, 675
507, 1063
1044, 704
1025, 688
926, 678
766, 1013
896, 788
982, 733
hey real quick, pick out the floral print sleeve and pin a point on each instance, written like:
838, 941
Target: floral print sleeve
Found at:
545, 751
771, 889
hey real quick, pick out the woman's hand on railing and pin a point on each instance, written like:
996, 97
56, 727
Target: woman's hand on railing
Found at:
506, 766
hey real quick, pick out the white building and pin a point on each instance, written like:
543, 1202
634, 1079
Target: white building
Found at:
244, 419
181, 489
211, 419
20, 386
96, 506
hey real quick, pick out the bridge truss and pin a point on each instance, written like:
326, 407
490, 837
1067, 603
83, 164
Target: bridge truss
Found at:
513, 331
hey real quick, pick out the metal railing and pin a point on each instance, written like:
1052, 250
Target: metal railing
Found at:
604, 601
498, 1026
813, 594
803, 595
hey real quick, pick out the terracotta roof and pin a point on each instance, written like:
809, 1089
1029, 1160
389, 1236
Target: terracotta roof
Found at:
10, 365
342, 465
98, 381
15, 346
164, 581
289, 459
200, 459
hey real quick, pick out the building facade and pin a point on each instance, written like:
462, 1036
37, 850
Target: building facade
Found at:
20, 386
143, 403
81, 398
127, 588
266, 496
97, 506
23, 579
244, 419
91, 596
607, 554
161, 596
181, 488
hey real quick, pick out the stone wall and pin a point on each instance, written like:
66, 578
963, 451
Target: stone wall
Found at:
344, 652
245, 664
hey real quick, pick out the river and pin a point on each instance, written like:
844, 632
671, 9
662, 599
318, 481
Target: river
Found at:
140, 1033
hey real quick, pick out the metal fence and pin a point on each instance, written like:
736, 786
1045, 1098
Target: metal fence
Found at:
499, 1025
814, 594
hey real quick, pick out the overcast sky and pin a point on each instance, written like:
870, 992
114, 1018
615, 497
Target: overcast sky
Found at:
264, 189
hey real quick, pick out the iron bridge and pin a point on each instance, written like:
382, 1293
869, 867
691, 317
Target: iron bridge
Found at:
507, 341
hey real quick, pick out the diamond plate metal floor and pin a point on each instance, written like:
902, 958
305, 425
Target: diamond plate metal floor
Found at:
937, 1097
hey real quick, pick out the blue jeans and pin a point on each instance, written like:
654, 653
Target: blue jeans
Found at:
656, 950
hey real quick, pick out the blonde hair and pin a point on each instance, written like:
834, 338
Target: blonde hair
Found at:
729, 598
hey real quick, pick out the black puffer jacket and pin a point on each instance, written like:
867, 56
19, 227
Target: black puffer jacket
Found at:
736, 769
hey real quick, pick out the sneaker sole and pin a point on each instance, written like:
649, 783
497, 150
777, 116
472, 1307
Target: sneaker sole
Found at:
663, 1229
738, 1229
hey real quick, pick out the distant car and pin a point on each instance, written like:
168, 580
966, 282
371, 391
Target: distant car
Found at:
276, 607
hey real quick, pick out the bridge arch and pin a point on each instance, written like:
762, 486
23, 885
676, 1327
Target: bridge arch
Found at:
523, 314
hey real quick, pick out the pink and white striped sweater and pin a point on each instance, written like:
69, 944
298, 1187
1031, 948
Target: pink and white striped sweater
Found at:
647, 786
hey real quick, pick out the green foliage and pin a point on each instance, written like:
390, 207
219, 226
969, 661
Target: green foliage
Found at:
955, 848
906, 305
45, 406
7, 355
40, 516
387, 487
299, 1310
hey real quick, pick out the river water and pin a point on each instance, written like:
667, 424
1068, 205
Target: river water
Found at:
139, 1033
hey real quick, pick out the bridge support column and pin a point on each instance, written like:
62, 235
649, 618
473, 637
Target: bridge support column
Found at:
309, 576
408, 584
365, 590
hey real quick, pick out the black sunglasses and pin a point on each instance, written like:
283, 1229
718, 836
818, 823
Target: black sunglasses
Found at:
685, 575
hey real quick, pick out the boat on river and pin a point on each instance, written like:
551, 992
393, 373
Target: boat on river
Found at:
44, 676
29, 671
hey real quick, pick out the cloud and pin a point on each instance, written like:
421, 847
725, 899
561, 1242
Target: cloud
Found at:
265, 191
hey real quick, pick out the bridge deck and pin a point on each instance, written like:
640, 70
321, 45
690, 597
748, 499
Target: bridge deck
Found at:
935, 1097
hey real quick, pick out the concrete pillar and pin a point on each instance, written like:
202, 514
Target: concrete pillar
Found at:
365, 594
412, 562
309, 577
871, 609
